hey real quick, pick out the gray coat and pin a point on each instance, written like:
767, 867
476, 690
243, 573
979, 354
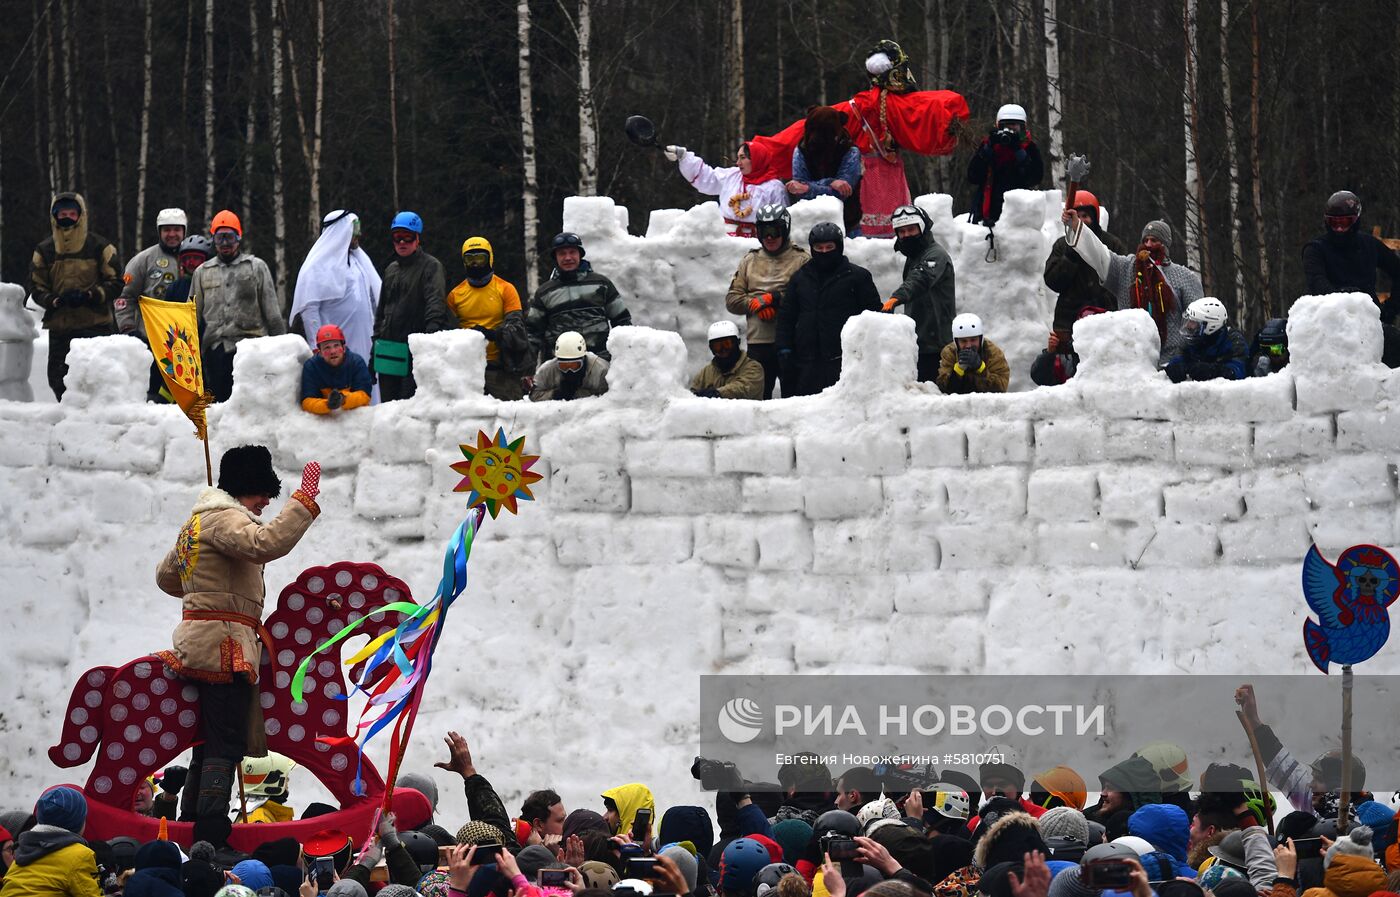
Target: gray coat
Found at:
236, 300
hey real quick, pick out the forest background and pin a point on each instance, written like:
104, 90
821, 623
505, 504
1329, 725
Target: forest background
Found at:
1231, 119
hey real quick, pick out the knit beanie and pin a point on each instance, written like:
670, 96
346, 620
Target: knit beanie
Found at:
1373, 814
1065, 822
1159, 229
1355, 843
435, 884
475, 832
63, 807
347, 887
420, 783
532, 859
686, 862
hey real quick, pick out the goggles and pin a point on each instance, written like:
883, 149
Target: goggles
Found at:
226, 238
572, 364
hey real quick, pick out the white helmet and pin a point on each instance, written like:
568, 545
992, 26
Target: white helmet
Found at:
267, 776
909, 214
1011, 112
570, 345
634, 884
880, 808
1208, 314
966, 325
948, 801
722, 330
171, 218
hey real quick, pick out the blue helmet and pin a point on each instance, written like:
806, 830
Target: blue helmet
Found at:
741, 861
407, 221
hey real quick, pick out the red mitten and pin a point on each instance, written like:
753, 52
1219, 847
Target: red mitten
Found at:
311, 480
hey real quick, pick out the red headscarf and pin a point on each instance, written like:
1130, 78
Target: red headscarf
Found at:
767, 164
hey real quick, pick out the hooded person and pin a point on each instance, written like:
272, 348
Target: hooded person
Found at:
822, 296
1008, 159
200, 878
1123, 788
827, 163
1007, 840
74, 276
158, 865
1344, 259
1146, 279
490, 305
690, 824
622, 804
216, 569
338, 284
753, 182
1168, 829
1074, 281
52, 858
929, 291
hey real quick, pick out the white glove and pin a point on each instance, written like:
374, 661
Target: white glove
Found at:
673, 153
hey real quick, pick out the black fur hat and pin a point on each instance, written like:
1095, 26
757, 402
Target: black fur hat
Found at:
247, 470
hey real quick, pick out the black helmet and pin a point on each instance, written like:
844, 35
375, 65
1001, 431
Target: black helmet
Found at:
1274, 332
422, 847
767, 878
197, 243
826, 232
1343, 202
837, 822
773, 216
568, 239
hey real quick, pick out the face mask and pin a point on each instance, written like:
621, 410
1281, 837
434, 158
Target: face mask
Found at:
66, 223
908, 245
826, 261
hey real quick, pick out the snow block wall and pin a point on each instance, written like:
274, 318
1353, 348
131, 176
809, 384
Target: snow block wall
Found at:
676, 276
1114, 524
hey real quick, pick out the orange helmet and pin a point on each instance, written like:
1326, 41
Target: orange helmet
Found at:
1066, 784
329, 332
1085, 198
226, 219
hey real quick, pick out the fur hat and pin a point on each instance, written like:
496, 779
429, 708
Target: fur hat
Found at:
1356, 843
247, 470
1008, 840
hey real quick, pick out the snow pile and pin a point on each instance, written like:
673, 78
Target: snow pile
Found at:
17, 335
675, 277
1117, 523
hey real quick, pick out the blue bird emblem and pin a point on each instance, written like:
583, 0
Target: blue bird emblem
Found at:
1350, 599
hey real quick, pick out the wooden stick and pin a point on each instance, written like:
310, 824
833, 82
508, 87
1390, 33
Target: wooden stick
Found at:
1259, 770
208, 465
242, 795
1346, 749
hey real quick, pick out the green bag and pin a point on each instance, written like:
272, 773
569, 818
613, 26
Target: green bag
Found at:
391, 357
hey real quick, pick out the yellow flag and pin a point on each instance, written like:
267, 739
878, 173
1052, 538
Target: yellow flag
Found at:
172, 329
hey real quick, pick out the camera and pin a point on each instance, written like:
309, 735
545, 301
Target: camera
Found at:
1005, 137
717, 775
841, 849
554, 878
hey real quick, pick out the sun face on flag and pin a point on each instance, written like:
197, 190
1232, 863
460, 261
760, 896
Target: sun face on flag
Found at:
496, 473
179, 358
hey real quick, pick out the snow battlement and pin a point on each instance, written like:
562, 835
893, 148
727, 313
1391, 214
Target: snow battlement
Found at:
1103, 525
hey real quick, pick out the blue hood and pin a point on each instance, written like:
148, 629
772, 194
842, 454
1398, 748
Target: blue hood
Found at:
1165, 826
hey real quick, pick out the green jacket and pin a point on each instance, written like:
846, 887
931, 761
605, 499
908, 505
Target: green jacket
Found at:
75, 259
413, 299
929, 293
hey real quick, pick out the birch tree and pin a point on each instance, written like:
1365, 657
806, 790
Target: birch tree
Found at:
587, 116
1255, 168
209, 109
250, 126
143, 154
1195, 210
118, 178
734, 72
394, 101
1054, 106
529, 187
310, 140
1242, 316
274, 120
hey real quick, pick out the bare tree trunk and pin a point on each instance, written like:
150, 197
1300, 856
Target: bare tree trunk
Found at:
118, 181
41, 162
1055, 106
1196, 231
821, 59
250, 127
209, 108
185, 79
57, 176
394, 101
778, 51
734, 72
1254, 165
529, 187
314, 163
274, 120
587, 117
70, 131
144, 153
1244, 316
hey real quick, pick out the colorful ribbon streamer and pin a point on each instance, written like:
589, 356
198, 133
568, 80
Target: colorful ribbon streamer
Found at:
398, 662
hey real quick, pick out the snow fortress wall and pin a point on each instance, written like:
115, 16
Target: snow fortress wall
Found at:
1115, 524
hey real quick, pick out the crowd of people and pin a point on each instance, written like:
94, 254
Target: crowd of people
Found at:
553, 345
895, 832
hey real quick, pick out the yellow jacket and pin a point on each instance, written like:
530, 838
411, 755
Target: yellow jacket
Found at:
484, 306
272, 811
629, 799
69, 870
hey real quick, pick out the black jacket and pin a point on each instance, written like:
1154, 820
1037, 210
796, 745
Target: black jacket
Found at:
1345, 263
413, 299
1076, 283
817, 306
929, 294
996, 169
583, 301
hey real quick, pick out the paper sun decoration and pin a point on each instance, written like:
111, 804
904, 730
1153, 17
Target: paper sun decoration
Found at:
496, 473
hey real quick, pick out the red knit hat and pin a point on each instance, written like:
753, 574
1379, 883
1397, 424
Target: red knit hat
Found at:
775, 853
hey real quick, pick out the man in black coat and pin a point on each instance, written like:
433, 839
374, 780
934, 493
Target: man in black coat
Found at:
1344, 260
821, 296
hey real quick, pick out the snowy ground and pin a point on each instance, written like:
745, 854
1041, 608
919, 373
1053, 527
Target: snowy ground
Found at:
1116, 524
